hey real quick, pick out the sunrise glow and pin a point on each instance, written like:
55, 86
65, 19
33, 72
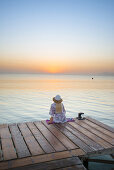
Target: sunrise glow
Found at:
47, 36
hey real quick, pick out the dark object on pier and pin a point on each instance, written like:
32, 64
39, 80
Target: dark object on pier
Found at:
80, 116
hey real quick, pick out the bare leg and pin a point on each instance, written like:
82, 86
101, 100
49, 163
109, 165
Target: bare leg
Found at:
51, 120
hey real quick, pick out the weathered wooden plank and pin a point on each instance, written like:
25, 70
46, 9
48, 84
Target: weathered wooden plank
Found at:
96, 132
100, 124
20, 162
55, 164
91, 135
5, 133
1, 158
57, 145
77, 152
4, 165
40, 138
19, 142
8, 149
31, 142
68, 144
107, 151
24, 129
33, 145
73, 138
57, 155
3, 126
83, 137
101, 129
40, 159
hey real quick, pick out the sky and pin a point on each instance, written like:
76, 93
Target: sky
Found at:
57, 36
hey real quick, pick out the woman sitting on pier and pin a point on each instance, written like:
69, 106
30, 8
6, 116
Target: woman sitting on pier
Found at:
57, 111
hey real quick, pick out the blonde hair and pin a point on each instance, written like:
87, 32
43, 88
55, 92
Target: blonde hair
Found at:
57, 101
58, 108
58, 105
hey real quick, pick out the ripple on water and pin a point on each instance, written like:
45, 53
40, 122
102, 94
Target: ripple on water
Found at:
18, 104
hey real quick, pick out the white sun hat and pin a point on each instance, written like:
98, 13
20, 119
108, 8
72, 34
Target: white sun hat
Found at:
57, 99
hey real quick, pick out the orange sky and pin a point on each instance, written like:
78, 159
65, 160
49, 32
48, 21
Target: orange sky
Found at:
58, 66
59, 37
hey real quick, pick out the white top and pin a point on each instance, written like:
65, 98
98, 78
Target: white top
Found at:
58, 117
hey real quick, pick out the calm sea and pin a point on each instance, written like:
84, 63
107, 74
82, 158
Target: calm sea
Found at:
27, 97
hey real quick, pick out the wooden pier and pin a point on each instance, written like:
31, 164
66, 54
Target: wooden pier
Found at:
36, 145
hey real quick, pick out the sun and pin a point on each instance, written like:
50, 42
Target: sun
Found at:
53, 69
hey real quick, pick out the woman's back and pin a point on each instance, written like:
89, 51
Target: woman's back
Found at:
57, 111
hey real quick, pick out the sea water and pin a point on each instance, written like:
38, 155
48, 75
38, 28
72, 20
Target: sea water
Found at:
27, 97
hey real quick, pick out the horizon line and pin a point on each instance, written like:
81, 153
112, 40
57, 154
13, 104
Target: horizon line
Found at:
45, 73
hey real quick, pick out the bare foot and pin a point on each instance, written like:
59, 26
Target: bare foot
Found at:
49, 122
